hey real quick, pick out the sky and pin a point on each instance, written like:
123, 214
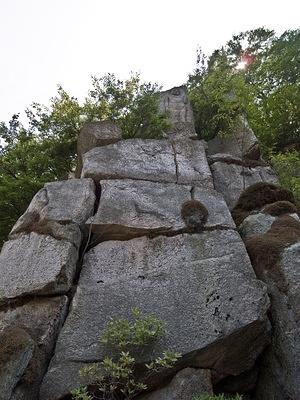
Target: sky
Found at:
44, 43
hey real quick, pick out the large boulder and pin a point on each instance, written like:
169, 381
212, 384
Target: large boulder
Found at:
186, 384
201, 285
151, 160
65, 202
96, 134
132, 208
27, 338
176, 104
36, 264
232, 179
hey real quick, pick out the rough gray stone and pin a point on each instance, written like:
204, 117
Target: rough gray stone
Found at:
176, 104
59, 207
130, 208
191, 163
36, 264
40, 321
201, 285
279, 374
147, 159
96, 134
256, 224
231, 179
186, 384
16, 350
241, 142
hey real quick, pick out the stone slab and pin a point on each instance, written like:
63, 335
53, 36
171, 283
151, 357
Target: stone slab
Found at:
132, 208
191, 163
201, 285
36, 264
151, 160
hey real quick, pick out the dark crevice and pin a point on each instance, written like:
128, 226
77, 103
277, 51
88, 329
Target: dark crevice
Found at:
101, 238
175, 161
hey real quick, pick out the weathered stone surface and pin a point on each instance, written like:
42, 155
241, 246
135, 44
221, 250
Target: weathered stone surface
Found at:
16, 350
279, 374
201, 285
38, 321
186, 384
231, 179
58, 209
134, 159
131, 208
176, 104
152, 160
191, 163
96, 134
256, 224
36, 264
241, 142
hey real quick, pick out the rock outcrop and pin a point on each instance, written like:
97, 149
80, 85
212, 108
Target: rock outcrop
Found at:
91, 249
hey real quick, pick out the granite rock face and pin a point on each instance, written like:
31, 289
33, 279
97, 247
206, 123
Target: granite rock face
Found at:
199, 282
16, 351
151, 160
201, 285
232, 179
36, 264
132, 208
65, 202
27, 339
279, 378
188, 383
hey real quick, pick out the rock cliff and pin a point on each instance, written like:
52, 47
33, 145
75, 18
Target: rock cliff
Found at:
95, 247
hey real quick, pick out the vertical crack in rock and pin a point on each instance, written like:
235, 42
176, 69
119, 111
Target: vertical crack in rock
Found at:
175, 160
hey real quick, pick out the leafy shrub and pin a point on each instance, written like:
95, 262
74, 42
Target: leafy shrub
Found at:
287, 166
114, 377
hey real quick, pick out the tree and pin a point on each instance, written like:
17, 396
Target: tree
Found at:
45, 150
256, 74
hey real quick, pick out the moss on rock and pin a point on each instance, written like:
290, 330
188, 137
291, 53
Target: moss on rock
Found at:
194, 214
265, 250
257, 196
280, 208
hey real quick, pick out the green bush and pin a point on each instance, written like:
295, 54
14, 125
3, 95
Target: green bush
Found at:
287, 167
114, 377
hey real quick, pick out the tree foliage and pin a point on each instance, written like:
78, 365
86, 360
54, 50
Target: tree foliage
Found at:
256, 74
45, 149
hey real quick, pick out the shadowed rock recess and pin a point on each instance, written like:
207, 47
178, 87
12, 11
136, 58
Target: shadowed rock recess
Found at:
137, 250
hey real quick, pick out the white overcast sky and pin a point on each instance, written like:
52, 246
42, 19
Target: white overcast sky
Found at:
44, 43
